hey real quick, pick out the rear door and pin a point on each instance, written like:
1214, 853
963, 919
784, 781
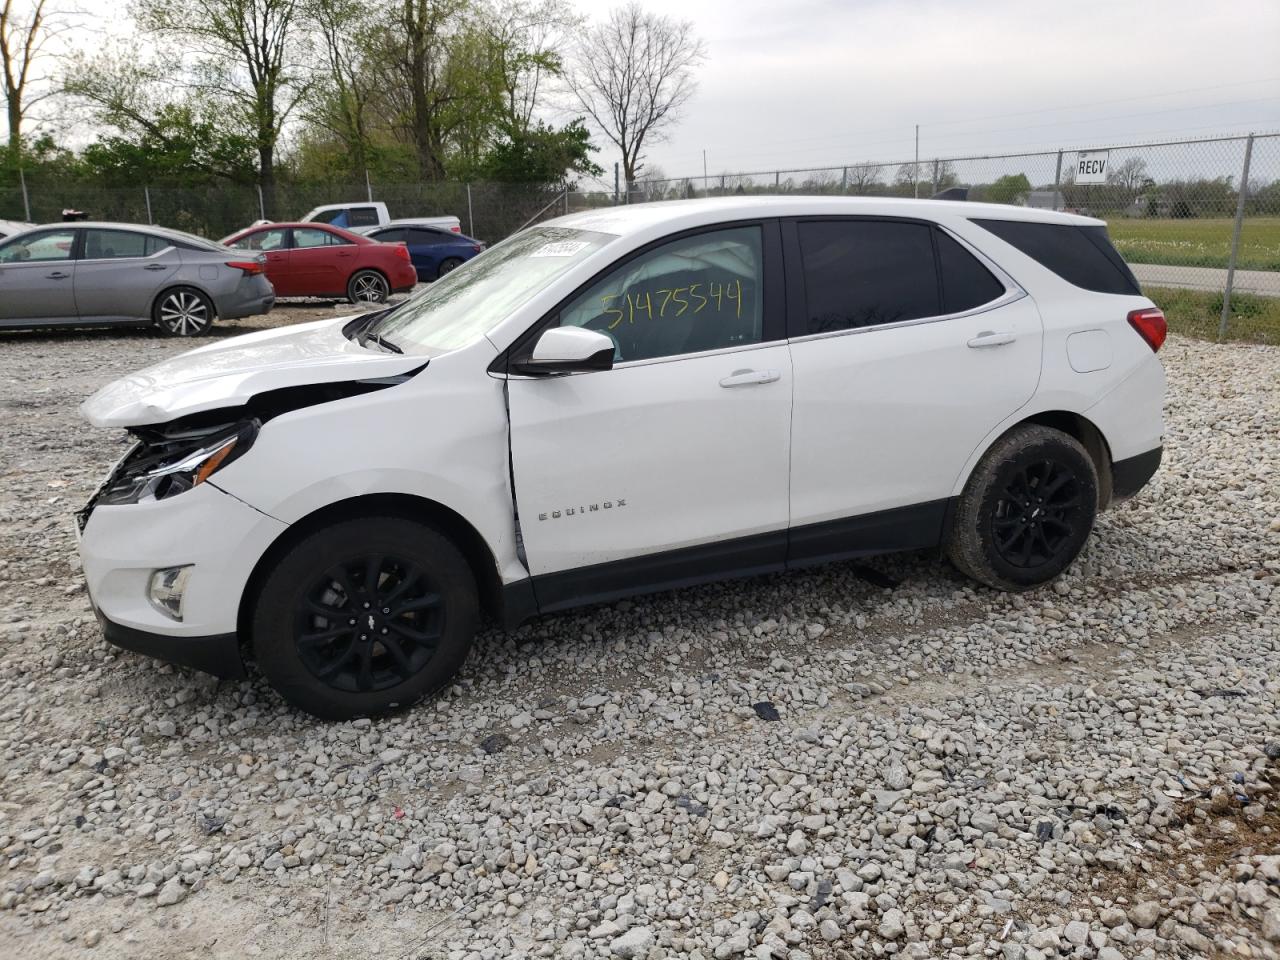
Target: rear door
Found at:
909, 347
37, 276
120, 272
428, 248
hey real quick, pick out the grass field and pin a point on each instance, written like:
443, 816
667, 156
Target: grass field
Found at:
1198, 243
1194, 313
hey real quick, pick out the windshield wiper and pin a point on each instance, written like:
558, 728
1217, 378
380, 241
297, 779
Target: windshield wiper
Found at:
381, 341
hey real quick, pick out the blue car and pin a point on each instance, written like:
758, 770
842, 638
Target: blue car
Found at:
434, 252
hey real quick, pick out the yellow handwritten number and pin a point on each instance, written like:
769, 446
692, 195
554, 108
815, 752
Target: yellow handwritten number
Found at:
605, 301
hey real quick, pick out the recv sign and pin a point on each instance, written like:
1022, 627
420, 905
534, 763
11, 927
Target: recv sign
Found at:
1091, 167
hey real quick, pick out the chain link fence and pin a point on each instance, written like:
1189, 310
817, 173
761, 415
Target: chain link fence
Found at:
1203, 249
487, 211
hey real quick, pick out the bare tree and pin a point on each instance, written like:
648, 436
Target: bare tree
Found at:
633, 74
1131, 175
22, 40
862, 177
247, 52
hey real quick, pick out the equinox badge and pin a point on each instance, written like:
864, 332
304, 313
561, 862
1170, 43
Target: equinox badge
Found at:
589, 508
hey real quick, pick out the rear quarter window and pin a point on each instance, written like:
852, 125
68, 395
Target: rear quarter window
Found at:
1082, 256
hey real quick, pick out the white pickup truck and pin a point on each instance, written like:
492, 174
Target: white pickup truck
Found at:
353, 216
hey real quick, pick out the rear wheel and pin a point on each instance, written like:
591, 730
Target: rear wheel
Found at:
1026, 511
365, 616
183, 312
449, 264
368, 286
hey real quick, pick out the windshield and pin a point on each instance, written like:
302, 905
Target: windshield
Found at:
468, 302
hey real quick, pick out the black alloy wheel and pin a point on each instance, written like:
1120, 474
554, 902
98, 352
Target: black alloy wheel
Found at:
1037, 514
367, 615
369, 624
1026, 510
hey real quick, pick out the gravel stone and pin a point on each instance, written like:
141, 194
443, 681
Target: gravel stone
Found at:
944, 757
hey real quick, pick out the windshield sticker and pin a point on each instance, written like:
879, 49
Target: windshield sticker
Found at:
561, 248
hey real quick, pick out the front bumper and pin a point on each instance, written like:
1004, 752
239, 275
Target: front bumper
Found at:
219, 536
218, 654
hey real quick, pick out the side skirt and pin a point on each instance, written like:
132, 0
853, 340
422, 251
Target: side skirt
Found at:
916, 527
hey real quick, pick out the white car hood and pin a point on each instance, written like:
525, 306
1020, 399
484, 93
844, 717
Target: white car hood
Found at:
228, 373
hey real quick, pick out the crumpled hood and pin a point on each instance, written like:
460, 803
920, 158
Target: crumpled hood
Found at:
230, 372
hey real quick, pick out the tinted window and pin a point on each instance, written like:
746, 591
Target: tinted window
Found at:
50, 245
363, 217
328, 216
966, 283
421, 237
263, 240
394, 235
305, 238
1080, 255
697, 293
862, 273
117, 244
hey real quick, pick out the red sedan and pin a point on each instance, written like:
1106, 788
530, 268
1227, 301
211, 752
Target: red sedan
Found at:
317, 260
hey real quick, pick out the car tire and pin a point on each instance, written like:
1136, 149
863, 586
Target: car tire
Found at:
183, 312
1026, 511
320, 633
368, 286
448, 265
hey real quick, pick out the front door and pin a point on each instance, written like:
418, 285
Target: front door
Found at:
908, 351
673, 466
37, 277
320, 261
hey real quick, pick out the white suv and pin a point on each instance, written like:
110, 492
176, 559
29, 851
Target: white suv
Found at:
618, 402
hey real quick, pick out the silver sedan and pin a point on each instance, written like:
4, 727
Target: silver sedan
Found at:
109, 274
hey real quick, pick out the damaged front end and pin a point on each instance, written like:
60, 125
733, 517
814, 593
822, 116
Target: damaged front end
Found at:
168, 459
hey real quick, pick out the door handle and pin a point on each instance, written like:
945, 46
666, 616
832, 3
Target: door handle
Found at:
57, 275
155, 266
743, 378
989, 338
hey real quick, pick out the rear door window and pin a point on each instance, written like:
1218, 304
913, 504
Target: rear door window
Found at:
421, 237
865, 273
308, 237
1082, 256
966, 283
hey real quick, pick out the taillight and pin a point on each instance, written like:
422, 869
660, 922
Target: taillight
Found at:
477, 247
251, 268
402, 251
1151, 326
456, 229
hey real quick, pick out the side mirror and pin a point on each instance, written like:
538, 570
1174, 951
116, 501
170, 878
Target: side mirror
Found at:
567, 350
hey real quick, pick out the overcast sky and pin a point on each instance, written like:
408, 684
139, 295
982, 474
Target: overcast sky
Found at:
806, 83
797, 83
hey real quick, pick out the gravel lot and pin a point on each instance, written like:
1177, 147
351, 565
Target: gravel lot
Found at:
860, 761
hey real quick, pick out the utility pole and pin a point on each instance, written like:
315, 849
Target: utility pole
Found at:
704, 173
615, 184
915, 167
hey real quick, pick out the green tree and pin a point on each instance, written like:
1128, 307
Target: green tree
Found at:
180, 138
1007, 189
538, 154
245, 54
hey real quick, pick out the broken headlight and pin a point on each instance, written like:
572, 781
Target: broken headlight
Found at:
168, 461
